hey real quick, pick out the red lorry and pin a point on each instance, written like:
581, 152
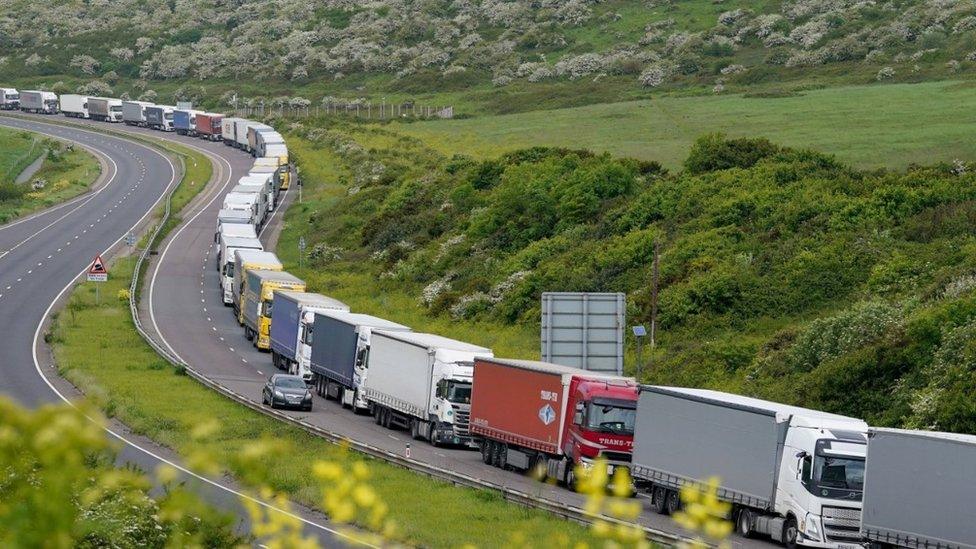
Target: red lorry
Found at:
527, 415
209, 126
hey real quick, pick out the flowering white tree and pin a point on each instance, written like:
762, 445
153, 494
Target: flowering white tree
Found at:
122, 54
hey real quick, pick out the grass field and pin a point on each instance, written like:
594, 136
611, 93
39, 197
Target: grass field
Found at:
868, 126
17, 150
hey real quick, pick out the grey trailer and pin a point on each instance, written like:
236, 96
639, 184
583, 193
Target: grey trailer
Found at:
40, 102
920, 490
134, 112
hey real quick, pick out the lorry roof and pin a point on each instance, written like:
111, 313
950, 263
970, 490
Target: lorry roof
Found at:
549, 367
952, 437
257, 256
231, 213
239, 197
312, 299
276, 276
433, 340
359, 319
247, 189
256, 178
242, 242
782, 411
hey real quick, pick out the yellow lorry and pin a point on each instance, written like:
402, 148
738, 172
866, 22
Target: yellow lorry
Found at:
244, 261
258, 301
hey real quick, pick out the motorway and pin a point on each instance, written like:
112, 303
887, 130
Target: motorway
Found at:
185, 309
41, 257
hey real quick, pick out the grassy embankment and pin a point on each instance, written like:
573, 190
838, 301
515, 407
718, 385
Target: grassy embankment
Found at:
98, 349
68, 171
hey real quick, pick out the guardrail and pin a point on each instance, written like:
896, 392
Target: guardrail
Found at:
516, 496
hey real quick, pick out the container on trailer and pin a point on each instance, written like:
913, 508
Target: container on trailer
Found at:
526, 414
336, 349
240, 132
41, 102
265, 138
792, 473
232, 216
245, 260
252, 135
159, 117
134, 112
209, 125
105, 109
267, 182
422, 382
228, 130
919, 489
270, 171
74, 106
9, 99
293, 313
257, 303
262, 198
248, 202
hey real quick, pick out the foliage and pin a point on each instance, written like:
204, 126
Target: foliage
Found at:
715, 152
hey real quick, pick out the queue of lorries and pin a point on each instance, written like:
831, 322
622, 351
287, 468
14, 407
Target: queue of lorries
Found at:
800, 476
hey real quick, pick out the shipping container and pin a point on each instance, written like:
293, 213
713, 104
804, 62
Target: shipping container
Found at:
338, 347
40, 102
920, 489
105, 109
293, 313
134, 112
209, 126
257, 302
74, 106
228, 131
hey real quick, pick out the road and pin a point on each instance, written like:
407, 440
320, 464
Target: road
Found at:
42, 255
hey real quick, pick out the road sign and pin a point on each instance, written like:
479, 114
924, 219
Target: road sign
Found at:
97, 272
130, 239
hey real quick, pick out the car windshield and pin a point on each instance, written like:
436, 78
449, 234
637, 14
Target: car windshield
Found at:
290, 383
608, 418
839, 472
458, 392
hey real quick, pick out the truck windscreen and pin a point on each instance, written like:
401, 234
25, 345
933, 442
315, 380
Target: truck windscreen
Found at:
830, 475
607, 418
459, 392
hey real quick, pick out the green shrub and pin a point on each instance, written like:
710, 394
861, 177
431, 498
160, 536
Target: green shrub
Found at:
715, 152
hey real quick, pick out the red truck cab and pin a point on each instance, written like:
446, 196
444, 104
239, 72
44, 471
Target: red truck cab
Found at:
603, 420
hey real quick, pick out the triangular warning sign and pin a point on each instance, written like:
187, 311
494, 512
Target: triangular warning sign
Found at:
98, 266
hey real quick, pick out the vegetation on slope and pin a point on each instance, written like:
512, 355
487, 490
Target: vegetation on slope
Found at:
785, 274
18, 150
504, 51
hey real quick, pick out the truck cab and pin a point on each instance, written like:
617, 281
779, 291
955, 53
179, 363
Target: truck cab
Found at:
451, 405
602, 424
9, 99
822, 481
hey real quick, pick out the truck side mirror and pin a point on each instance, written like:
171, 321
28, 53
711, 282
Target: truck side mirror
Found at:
578, 418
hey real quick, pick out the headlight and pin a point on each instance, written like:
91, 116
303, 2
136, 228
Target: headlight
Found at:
279, 394
810, 529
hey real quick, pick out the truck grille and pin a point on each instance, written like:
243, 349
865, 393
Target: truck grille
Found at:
841, 523
616, 456
462, 421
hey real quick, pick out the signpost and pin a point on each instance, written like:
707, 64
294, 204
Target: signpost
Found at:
97, 273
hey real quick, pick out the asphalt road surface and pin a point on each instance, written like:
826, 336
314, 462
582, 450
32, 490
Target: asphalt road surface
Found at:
42, 255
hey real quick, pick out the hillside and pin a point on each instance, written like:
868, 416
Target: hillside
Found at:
785, 274
490, 55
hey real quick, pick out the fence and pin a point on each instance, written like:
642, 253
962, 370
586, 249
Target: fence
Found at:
364, 110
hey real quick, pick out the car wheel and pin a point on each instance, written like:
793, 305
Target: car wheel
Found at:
743, 523
790, 533
660, 497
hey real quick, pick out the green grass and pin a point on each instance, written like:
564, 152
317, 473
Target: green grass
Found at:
17, 150
98, 349
68, 172
868, 126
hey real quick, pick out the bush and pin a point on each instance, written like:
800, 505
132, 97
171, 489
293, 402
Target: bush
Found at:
714, 152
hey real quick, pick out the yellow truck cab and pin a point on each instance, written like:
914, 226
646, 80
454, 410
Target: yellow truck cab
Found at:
259, 288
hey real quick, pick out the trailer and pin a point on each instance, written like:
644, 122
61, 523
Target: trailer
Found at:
266, 182
233, 229
228, 216
105, 109
919, 489
293, 313
336, 347
422, 383
39, 102
240, 132
248, 202
74, 106
531, 415
790, 473
209, 125
265, 170
159, 117
263, 206
234, 275
257, 302
134, 112
265, 138
228, 131
9, 99
253, 129
185, 121
230, 243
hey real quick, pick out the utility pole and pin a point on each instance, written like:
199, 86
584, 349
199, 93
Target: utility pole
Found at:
654, 283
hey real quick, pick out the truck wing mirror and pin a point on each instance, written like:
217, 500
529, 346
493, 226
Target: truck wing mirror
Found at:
578, 418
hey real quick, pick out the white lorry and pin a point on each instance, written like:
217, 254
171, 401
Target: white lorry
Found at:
230, 244
790, 473
267, 182
9, 99
105, 109
74, 106
240, 230
40, 102
419, 381
247, 202
262, 198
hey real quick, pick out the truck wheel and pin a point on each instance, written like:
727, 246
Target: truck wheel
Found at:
673, 502
486, 451
660, 497
570, 477
789, 533
743, 524
378, 415
387, 418
503, 456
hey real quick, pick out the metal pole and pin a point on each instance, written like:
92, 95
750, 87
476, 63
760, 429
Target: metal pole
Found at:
640, 360
654, 283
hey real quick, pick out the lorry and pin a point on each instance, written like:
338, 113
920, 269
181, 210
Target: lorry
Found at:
247, 202
253, 129
269, 171
105, 109
919, 490
262, 197
233, 280
229, 217
293, 311
336, 349
266, 182
245, 230
229, 244
228, 131
790, 473
9, 99
40, 102
159, 117
209, 125
538, 416
185, 121
74, 105
264, 139
257, 302
422, 382
271, 162
134, 112
241, 126
280, 151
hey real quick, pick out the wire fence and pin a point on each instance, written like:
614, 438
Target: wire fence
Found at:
363, 110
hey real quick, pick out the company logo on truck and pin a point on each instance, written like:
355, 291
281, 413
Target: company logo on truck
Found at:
547, 414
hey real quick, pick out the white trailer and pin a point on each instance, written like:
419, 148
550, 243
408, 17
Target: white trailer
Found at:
240, 132
40, 102
267, 182
411, 377
264, 139
74, 106
262, 198
228, 131
9, 99
238, 230
247, 202
252, 135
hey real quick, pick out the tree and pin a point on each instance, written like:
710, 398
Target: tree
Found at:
714, 152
